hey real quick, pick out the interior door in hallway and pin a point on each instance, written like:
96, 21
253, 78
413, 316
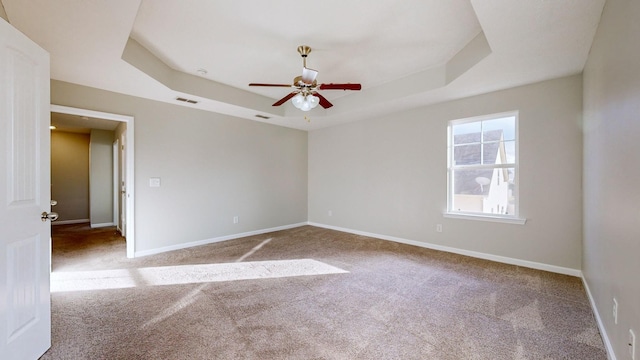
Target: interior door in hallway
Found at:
25, 238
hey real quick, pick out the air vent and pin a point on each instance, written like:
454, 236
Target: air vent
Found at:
262, 116
186, 100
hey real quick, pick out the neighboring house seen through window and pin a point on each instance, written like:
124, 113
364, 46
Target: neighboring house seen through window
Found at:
483, 157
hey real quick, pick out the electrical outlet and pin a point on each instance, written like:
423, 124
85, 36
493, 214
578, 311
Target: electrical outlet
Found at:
615, 311
330, 213
438, 227
235, 219
632, 344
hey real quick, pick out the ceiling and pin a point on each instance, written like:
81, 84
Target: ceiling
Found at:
405, 53
81, 124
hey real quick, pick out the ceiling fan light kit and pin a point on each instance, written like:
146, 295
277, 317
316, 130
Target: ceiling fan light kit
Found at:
305, 102
305, 97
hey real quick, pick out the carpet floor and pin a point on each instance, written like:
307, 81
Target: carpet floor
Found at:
307, 293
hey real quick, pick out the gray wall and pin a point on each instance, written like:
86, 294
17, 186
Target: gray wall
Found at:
70, 175
212, 167
611, 264
101, 177
388, 176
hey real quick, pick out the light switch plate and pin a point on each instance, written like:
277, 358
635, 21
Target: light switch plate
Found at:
154, 182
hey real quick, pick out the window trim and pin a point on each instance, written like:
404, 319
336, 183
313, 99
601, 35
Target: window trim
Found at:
511, 218
481, 217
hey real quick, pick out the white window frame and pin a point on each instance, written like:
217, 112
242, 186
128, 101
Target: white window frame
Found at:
451, 213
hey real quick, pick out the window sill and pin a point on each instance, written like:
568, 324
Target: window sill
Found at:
517, 221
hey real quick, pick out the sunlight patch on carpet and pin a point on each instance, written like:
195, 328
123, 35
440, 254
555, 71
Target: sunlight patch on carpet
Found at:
187, 274
179, 305
252, 251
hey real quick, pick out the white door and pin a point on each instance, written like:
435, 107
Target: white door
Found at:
25, 240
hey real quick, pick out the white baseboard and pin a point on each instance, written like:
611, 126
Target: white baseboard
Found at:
215, 240
605, 338
68, 222
93, 226
475, 254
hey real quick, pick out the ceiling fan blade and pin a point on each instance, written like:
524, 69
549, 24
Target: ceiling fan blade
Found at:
340, 86
276, 85
323, 101
284, 99
309, 75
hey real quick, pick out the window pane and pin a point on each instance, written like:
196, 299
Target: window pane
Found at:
499, 152
485, 191
510, 149
492, 153
466, 154
466, 133
504, 128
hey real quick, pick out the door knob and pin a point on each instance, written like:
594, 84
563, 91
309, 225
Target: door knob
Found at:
49, 216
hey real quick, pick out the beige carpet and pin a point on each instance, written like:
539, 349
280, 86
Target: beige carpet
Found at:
307, 293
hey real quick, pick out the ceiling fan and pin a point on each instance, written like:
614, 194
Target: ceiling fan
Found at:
305, 96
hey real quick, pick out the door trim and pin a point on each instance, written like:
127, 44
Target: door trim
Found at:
129, 163
116, 183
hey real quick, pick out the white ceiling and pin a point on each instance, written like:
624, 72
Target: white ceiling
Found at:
81, 124
405, 53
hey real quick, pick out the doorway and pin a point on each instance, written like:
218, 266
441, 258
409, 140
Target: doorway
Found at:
125, 177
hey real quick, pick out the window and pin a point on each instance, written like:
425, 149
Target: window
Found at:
482, 178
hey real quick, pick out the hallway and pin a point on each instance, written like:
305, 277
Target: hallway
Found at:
78, 245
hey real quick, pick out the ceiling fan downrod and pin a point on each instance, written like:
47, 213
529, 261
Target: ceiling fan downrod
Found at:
304, 51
